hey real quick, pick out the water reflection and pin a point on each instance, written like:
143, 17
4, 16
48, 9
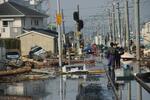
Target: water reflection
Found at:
50, 89
34, 89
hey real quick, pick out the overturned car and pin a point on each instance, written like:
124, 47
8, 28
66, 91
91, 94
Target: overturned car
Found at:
37, 53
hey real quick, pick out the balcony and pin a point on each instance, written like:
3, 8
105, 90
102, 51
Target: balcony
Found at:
10, 32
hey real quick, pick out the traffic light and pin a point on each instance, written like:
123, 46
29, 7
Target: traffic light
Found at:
80, 25
78, 20
76, 16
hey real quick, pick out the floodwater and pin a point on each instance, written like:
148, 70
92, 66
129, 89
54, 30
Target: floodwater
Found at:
50, 89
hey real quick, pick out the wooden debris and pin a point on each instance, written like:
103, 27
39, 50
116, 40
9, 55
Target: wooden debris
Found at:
15, 98
15, 71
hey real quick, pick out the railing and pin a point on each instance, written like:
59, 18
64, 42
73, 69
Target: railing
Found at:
10, 31
15, 31
112, 85
142, 83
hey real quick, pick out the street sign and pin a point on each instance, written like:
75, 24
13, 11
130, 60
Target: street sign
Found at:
58, 19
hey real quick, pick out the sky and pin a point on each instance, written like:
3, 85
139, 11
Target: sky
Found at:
88, 8
94, 12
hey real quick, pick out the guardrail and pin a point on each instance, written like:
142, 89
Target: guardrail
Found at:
142, 83
112, 84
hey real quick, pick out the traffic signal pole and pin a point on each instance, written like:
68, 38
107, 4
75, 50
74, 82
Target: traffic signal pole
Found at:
79, 26
78, 32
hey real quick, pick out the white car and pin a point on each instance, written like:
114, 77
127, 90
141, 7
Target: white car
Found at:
37, 53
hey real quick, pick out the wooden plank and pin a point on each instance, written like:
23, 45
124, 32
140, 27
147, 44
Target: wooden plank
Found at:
15, 71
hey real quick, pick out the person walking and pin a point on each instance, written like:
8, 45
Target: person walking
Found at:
111, 61
119, 51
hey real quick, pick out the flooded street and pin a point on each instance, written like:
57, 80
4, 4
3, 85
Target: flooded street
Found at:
74, 50
50, 89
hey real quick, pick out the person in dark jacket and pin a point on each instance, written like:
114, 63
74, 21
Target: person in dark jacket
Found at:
111, 62
111, 55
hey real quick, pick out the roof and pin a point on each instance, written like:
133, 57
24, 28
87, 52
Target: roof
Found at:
47, 32
12, 9
41, 32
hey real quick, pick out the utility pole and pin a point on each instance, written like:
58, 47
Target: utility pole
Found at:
110, 24
127, 35
59, 35
123, 31
63, 42
59, 22
63, 26
137, 28
113, 22
119, 24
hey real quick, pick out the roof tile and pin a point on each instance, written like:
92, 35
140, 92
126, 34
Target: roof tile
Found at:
12, 8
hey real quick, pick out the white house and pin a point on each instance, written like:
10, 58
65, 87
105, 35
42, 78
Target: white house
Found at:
146, 33
15, 18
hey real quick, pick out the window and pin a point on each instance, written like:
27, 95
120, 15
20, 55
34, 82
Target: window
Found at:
31, 21
4, 30
5, 23
36, 22
24, 21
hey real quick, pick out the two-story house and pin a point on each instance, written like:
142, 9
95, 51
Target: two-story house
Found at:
15, 18
18, 21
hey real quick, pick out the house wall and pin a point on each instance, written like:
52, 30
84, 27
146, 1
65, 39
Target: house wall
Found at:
14, 27
146, 33
32, 39
30, 22
17, 22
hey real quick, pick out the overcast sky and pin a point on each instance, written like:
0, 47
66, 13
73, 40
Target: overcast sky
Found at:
95, 7
87, 8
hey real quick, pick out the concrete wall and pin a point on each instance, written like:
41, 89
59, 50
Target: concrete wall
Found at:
32, 39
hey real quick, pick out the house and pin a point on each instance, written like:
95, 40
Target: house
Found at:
146, 33
46, 39
34, 4
15, 18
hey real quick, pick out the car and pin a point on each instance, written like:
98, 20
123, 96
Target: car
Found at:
13, 57
37, 53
